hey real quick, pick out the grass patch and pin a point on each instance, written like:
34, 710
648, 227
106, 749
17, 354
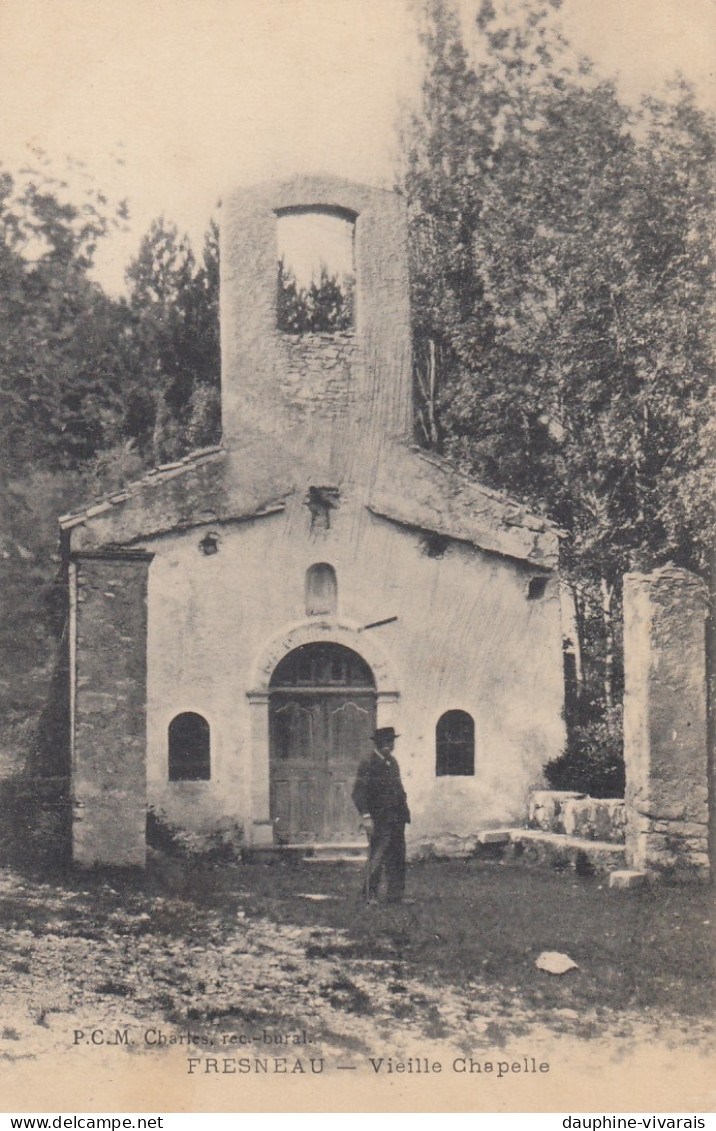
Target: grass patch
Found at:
475, 921
475, 925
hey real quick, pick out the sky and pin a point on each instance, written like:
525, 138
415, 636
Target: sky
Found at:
307, 243
168, 102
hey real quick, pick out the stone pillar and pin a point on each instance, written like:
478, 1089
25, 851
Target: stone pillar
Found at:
665, 748
109, 707
260, 833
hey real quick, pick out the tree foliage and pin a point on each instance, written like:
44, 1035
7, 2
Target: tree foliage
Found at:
324, 306
561, 265
60, 365
92, 388
82, 372
593, 759
174, 306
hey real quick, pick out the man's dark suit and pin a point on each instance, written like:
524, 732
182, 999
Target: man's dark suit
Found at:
378, 792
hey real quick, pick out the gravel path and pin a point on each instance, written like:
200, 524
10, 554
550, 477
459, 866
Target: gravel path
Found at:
235, 993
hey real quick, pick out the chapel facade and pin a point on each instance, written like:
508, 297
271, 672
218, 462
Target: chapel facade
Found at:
243, 619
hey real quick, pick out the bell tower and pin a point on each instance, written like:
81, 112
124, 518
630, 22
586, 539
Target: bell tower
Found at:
315, 320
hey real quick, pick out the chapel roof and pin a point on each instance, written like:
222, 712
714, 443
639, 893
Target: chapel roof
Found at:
410, 487
417, 488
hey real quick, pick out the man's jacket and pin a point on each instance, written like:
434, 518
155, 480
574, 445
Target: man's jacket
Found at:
379, 791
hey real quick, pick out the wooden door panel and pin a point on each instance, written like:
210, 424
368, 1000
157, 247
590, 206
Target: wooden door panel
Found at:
342, 820
318, 735
307, 808
351, 721
298, 768
297, 808
293, 730
280, 802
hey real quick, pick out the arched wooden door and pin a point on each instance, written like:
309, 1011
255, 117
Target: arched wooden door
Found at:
322, 704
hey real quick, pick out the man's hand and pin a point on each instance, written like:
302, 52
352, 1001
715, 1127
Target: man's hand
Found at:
366, 824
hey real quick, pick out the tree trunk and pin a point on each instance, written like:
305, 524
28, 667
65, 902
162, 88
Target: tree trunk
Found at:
607, 591
427, 383
573, 634
711, 700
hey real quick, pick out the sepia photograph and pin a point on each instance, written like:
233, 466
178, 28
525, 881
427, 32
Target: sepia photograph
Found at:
357, 569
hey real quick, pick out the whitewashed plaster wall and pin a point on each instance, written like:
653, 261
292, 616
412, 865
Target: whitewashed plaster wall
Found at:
466, 637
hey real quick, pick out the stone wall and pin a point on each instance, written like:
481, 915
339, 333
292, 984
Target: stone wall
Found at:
315, 374
577, 815
665, 745
109, 688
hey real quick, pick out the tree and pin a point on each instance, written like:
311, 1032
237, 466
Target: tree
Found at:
82, 377
323, 306
174, 306
60, 368
81, 372
561, 270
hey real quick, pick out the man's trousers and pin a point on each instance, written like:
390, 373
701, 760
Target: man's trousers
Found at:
386, 856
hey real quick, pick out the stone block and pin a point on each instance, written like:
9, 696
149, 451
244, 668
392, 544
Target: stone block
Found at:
554, 850
262, 834
449, 846
692, 828
594, 818
626, 879
545, 808
494, 836
110, 830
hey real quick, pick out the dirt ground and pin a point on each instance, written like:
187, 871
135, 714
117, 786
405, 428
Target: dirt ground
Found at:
204, 976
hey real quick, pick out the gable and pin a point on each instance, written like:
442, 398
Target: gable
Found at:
198, 490
419, 490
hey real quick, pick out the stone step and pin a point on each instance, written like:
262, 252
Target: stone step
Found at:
627, 879
556, 850
318, 848
323, 852
339, 852
577, 815
335, 858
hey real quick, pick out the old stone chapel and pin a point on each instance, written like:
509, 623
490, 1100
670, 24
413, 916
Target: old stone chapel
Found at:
242, 619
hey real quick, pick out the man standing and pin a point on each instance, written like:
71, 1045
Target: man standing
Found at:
380, 799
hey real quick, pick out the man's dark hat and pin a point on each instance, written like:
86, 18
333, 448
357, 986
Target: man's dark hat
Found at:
384, 732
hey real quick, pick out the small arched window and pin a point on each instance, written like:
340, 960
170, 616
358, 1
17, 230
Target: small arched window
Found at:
455, 745
189, 748
321, 589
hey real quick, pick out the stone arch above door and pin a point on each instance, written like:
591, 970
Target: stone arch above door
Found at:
313, 632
